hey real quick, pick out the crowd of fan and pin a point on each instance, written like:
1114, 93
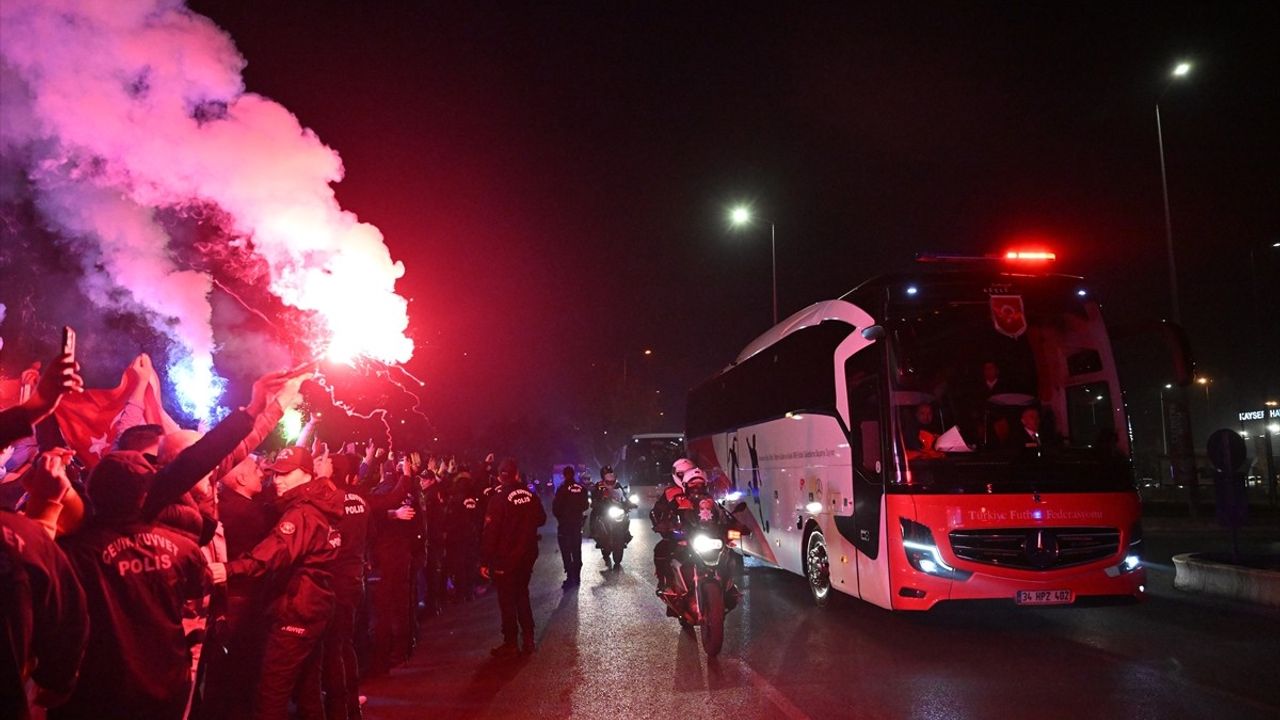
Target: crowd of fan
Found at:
186, 577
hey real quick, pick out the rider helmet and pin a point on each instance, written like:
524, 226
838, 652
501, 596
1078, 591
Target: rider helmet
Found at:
695, 479
679, 468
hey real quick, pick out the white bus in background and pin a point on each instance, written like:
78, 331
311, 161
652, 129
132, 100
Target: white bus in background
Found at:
879, 457
644, 463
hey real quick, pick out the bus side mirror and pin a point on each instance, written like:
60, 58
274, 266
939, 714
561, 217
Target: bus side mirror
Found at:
873, 332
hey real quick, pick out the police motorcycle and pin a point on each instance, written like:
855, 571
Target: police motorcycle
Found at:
700, 586
611, 518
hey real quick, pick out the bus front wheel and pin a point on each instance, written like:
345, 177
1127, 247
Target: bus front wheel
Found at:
818, 568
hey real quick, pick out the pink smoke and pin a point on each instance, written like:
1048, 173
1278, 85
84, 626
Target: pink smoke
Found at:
122, 108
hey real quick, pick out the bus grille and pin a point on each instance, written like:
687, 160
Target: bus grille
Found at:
1035, 548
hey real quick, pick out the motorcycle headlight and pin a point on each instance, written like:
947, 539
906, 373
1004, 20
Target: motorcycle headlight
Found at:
635, 499
616, 512
702, 544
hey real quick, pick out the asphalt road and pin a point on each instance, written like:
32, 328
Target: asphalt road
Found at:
607, 650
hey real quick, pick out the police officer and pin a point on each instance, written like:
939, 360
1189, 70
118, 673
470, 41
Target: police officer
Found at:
509, 549
296, 556
665, 515
434, 506
236, 642
568, 506
341, 672
44, 620
391, 548
136, 574
464, 520
611, 536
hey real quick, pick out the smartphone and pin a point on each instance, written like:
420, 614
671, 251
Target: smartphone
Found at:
69, 342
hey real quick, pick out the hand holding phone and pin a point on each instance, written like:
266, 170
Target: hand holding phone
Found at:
69, 342
61, 376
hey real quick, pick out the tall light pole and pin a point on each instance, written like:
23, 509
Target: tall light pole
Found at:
1164, 434
1182, 457
740, 216
1179, 71
1205, 382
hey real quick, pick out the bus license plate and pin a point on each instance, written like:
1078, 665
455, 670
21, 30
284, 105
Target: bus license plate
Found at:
1044, 597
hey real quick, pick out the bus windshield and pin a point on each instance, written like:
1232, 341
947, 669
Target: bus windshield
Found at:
646, 460
1005, 387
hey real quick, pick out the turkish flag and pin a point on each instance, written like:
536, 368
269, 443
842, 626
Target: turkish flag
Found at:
1008, 315
87, 420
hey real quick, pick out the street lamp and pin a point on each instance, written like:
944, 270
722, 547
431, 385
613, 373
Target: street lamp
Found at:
1164, 435
1205, 382
1181, 70
647, 352
740, 216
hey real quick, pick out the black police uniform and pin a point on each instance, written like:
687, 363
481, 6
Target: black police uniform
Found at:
464, 521
235, 644
570, 503
434, 506
136, 577
296, 555
44, 620
509, 549
341, 669
391, 550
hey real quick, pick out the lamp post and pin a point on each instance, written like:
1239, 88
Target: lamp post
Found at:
1205, 382
1182, 458
1164, 433
740, 216
1179, 71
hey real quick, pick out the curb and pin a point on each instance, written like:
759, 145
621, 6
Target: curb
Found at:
1193, 574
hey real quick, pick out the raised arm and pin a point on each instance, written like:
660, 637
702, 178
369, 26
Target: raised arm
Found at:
60, 377
208, 452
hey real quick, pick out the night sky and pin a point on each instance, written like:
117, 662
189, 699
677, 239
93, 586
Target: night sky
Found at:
555, 179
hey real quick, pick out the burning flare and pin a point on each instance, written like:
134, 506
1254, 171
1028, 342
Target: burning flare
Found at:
123, 111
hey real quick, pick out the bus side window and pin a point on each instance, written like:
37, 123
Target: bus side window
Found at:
864, 417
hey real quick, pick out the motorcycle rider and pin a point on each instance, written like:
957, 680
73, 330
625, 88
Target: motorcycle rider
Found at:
665, 515
570, 503
611, 537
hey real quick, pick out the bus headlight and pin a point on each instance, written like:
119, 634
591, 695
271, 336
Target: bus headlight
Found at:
702, 544
734, 496
1133, 554
616, 513
922, 552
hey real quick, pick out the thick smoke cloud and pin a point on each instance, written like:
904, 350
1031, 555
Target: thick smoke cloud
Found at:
127, 117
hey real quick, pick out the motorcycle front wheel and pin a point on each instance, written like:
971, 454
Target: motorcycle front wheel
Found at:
712, 606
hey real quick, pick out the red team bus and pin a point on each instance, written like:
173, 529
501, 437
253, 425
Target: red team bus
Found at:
954, 433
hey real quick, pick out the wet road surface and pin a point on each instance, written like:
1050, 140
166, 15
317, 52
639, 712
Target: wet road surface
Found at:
607, 650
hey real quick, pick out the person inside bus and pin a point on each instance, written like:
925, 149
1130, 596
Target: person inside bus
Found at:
996, 406
992, 382
920, 433
1027, 432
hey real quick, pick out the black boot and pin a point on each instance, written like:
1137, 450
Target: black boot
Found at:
506, 650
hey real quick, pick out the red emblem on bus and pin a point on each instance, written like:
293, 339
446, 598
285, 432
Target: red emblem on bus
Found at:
1008, 315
